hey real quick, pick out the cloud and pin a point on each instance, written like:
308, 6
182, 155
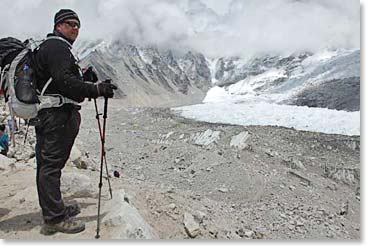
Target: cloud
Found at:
143, 22
241, 27
220, 7
289, 25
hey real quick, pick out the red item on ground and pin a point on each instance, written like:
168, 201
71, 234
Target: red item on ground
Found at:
116, 174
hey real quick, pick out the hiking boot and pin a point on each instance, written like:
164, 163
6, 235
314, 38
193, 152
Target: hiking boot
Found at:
69, 226
72, 210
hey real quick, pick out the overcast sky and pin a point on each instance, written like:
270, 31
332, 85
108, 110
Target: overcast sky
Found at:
241, 27
219, 6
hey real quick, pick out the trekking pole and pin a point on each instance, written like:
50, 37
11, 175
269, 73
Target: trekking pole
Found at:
101, 170
26, 133
104, 154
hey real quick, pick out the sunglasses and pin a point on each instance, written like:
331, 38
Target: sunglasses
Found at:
73, 24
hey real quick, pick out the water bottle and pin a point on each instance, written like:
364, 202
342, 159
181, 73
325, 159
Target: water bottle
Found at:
24, 90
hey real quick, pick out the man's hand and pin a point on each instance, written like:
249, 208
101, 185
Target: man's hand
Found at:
105, 89
90, 75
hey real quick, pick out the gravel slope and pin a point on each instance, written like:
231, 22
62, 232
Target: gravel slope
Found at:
283, 184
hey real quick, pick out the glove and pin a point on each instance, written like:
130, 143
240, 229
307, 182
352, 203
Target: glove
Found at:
90, 75
105, 89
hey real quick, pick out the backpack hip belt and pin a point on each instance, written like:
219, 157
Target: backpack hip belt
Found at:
54, 101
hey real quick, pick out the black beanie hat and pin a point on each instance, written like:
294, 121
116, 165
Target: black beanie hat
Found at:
65, 14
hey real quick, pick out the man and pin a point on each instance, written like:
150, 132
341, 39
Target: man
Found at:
58, 127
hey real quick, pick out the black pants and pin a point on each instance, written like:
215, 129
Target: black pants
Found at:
56, 132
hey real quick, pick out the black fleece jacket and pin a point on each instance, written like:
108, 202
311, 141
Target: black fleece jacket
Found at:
54, 59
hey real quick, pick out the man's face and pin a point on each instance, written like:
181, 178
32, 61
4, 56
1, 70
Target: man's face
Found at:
69, 28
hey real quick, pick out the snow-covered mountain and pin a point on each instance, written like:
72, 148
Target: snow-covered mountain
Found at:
237, 73
328, 79
299, 91
263, 90
148, 76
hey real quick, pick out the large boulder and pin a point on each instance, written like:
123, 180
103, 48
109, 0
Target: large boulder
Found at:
206, 138
6, 163
26, 198
240, 141
75, 184
77, 158
23, 152
192, 228
75, 154
124, 221
32, 163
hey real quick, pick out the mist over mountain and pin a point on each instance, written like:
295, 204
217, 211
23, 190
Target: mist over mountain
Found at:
244, 28
146, 74
163, 52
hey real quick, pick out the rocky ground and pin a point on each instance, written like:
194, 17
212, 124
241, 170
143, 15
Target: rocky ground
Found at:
185, 179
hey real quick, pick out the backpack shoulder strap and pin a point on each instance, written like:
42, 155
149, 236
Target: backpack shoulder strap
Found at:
65, 41
58, 38
46, 85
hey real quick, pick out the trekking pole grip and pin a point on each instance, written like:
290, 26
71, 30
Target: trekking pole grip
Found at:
108, 81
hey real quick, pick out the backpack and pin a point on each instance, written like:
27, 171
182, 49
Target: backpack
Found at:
18, 79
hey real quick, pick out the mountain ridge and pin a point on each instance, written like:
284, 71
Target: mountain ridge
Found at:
292, 79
